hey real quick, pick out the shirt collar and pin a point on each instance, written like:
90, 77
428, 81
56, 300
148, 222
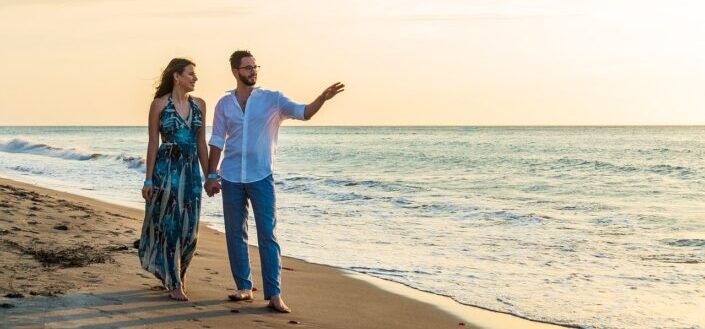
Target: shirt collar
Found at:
232, 91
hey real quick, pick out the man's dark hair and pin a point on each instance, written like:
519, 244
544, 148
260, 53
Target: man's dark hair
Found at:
237, 57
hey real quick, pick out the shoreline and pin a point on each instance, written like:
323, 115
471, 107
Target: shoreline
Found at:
468, 316
477, 315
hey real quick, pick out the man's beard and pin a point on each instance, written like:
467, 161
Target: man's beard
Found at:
246, 80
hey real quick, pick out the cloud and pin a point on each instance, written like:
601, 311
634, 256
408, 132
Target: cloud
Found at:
213, 12
449, 10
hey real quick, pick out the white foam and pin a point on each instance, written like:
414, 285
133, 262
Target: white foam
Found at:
19, 145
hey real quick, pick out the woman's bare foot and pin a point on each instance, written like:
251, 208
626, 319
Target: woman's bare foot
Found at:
244, 294
178, 294
277, 303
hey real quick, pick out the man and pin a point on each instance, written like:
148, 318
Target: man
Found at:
246, 122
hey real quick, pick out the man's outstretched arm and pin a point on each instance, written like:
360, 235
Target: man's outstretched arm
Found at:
312, 108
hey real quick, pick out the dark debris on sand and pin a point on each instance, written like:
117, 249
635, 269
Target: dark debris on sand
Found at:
61, 227
70, 257
77, 256
47, 292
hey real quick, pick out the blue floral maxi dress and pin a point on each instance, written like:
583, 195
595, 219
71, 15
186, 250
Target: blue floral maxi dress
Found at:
170, 227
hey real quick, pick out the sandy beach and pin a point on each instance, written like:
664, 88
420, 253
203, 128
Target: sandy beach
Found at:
68, 262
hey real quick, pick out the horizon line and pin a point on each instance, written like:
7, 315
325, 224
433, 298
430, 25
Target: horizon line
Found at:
385, 126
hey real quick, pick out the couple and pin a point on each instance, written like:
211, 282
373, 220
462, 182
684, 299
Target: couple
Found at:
245, 125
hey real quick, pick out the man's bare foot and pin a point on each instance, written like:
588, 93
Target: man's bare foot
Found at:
178, 294
277, 303
245, 294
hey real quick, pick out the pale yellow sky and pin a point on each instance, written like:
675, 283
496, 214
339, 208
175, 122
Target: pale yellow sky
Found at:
441, 62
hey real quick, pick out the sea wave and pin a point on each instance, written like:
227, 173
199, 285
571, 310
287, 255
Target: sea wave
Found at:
18, 145
685, 242
582, 164
572, 163
26, 170
671, 170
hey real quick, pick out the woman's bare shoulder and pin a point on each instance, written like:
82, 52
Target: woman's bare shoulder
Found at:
158, 103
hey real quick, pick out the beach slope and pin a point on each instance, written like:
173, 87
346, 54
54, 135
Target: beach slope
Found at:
69, 262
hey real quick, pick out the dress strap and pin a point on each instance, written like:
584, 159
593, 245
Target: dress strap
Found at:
193, 103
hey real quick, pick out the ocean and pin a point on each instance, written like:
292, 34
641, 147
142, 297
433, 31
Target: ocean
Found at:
596, 227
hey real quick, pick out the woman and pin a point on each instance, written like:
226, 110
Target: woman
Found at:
172, 188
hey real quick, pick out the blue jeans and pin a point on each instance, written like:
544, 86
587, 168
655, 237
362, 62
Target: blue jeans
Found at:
261, 195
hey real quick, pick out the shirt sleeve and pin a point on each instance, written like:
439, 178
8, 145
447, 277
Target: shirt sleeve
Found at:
219, 132
289, 109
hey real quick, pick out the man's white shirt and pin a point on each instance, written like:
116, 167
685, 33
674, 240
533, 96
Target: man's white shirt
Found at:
249, 139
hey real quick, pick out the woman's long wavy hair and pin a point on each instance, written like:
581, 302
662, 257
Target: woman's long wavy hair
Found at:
166, 85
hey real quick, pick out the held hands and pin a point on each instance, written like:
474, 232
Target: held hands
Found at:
147, 192
333, 90
212, 187
147, 189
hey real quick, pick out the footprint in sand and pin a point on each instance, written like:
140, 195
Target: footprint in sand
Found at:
93, 275
61, 227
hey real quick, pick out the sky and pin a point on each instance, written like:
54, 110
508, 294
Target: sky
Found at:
440, 62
